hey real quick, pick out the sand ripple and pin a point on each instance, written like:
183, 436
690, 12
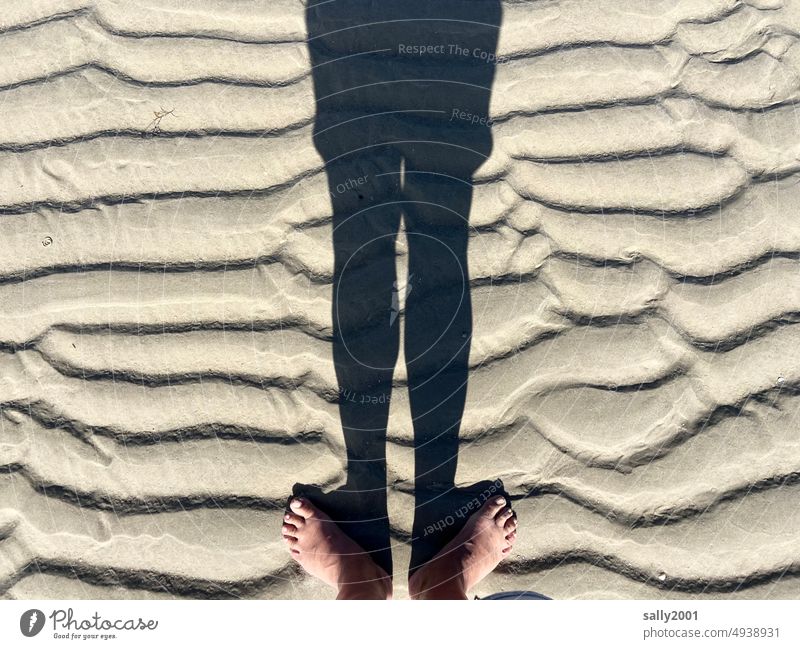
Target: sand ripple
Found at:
165, 369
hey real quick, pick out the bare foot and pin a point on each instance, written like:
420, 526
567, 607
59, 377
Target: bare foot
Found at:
327, 553
484, 541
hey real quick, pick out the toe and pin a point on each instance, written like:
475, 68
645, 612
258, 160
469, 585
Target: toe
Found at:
504, 516
511, 524
290, 540
511, 537
492, 506
302, 507
289, 530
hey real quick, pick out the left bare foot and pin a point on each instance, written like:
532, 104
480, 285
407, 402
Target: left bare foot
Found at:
328, 554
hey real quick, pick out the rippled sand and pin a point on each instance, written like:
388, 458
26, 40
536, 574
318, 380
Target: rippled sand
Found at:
165, 365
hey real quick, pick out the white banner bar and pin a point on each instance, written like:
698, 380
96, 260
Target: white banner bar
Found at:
400, 624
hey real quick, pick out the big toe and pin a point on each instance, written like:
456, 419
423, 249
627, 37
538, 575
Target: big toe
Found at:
491, 507
302, 507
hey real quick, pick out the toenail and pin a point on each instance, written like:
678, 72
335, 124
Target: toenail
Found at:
287, 517
500, 501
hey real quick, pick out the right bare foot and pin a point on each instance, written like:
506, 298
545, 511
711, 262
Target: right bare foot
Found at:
327, 553
484, 541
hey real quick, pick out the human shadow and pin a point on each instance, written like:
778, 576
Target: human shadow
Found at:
402, 90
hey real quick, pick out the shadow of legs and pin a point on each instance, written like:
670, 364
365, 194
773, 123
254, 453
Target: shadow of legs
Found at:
365, 346
378, 104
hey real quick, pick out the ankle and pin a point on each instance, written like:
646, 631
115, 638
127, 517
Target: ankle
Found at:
451, 588
439, 579
376, 588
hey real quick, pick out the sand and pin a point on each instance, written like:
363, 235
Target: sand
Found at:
165, 275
